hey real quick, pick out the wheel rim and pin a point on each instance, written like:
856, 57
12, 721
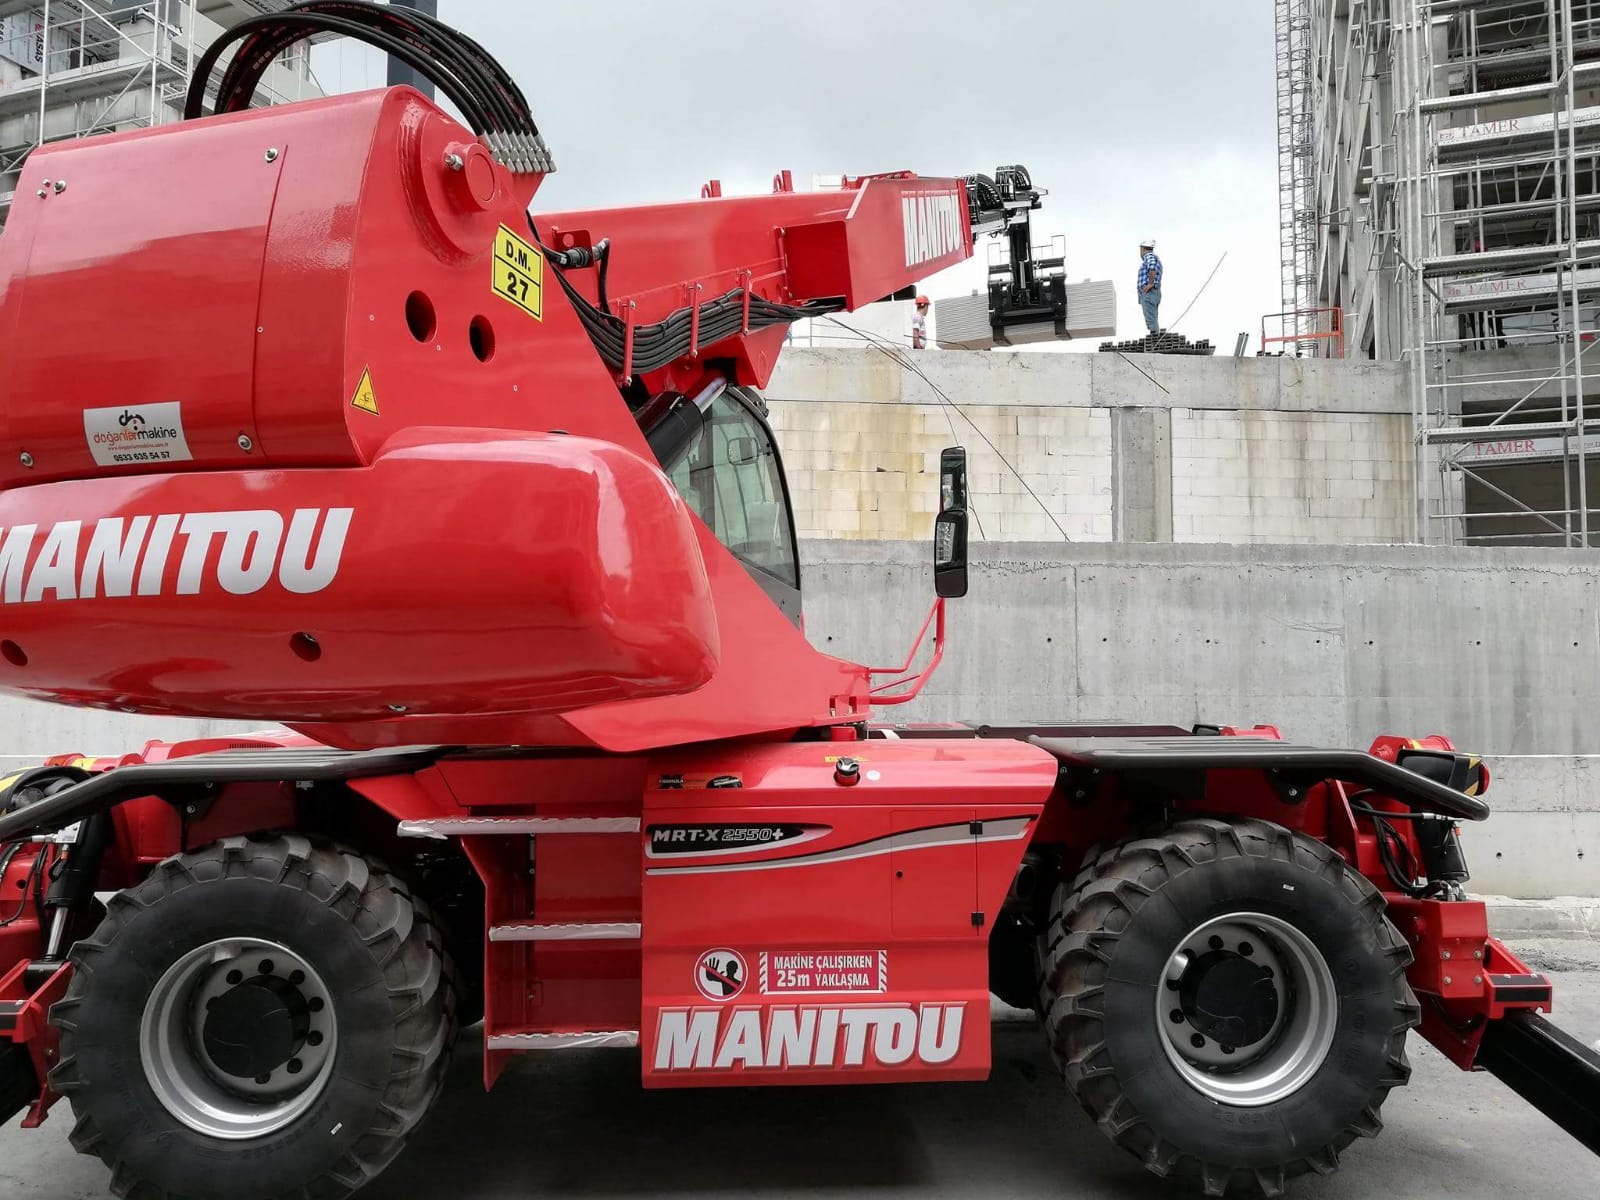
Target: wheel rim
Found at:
238, 1038
1247, 1009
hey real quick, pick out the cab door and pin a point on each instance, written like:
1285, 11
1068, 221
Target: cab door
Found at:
733, 478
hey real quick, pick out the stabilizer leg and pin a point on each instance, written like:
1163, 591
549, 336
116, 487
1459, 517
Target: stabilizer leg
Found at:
1548, 1068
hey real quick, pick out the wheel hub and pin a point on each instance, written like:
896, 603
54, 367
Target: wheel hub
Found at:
1247, 1009
237, 1038
254, 1028
1228, 998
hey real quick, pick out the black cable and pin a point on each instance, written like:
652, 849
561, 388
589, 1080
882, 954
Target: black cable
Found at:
1365, 810
474, 71
1395, 855
470, 104
492, 78
271, 36
487, 96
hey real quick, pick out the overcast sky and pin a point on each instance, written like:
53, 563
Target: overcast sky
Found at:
1143, 119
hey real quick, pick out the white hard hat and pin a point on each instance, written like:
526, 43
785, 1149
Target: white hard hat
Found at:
1150, 242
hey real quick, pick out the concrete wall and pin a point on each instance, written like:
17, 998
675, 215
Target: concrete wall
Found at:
1544, 837
1500, 649
34, 730
1099, 446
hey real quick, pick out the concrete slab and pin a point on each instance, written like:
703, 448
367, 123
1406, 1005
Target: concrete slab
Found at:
579, 1125
1566, 917
1099, 380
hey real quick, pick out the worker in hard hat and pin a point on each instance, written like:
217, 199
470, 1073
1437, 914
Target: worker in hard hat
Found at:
919, 325
1150, 284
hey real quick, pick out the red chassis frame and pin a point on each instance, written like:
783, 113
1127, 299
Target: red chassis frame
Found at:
859, 904
396, 498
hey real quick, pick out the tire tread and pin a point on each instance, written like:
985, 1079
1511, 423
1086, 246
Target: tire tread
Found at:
1087, 917
396, 926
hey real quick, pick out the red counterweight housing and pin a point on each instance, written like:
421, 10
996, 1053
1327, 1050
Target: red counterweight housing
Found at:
333, 456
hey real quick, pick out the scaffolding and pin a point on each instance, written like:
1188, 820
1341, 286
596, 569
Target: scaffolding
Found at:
1492, 214
74, 68
1297, 230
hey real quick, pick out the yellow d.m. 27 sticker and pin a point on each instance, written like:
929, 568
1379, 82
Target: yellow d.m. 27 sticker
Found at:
519, 273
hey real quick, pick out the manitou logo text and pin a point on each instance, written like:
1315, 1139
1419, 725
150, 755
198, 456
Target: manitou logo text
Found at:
240, 552
809, 1035
934, 226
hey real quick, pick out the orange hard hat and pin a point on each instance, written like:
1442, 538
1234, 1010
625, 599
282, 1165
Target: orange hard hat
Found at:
923, 302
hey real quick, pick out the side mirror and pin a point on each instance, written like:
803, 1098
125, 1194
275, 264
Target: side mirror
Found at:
742, 451
950, 526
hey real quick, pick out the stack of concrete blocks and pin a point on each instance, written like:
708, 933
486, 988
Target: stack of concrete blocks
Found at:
963, 321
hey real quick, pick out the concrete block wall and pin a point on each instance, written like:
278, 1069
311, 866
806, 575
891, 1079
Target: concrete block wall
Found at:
1098, 447
1290, 477
872, 470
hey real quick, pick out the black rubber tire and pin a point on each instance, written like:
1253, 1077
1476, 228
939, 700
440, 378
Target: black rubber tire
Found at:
1102, 957
374, 944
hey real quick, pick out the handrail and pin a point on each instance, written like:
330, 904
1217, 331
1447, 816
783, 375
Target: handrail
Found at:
1335, 332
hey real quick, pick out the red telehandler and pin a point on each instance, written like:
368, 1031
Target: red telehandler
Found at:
485, 509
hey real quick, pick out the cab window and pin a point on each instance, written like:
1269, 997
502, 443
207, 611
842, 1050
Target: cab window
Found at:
731, 478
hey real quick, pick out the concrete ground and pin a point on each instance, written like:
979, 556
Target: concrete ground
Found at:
579, 1125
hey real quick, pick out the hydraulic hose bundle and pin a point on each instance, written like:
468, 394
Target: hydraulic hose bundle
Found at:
673, 337
463, 70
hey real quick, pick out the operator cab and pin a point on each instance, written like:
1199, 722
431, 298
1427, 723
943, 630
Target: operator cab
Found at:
730, 474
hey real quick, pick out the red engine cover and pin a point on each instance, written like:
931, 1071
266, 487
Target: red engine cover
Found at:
463, 572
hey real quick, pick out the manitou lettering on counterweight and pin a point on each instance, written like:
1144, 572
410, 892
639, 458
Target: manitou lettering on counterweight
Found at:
128, 556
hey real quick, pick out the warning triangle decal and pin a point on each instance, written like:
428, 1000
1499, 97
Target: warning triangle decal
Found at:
365, 398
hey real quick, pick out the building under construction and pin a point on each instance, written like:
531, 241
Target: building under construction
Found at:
71, 68
1439, 174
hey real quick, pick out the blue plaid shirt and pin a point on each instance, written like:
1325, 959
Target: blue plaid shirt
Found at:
1149, 272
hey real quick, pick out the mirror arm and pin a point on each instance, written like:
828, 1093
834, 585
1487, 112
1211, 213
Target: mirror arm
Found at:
914, 685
